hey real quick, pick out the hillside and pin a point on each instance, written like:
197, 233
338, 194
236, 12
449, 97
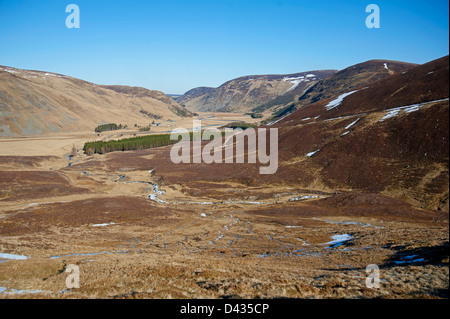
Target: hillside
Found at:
194, 93
281, 94
36, 102
420, 84
389, 138
346, 80
353, 77
246, 93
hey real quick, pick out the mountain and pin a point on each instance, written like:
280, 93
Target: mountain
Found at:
353, 77
346, 80
420, 84
36, 102
246, 93
391, 137
278, 95
194, 93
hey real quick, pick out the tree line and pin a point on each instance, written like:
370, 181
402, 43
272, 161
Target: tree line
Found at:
132, 144
128, 144
109, 127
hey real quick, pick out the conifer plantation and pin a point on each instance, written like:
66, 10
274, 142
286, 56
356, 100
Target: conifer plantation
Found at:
109, 127
133, 143
128, 144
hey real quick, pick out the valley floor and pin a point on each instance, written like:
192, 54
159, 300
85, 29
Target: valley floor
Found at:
135, 231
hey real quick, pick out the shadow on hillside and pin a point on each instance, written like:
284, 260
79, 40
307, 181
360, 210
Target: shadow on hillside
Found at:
434, 255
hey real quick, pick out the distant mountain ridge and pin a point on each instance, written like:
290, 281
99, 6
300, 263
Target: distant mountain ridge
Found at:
280, 94
422, 83
248, 92
194, 93
353, 77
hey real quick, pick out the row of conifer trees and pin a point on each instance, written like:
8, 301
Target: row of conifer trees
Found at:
128, 144
109, 127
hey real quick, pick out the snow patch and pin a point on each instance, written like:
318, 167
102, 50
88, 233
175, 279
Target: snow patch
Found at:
53, 74
8, 70
338, 240
352, 123
12, 257
295, 82
413, 108
104, 224
336, 102
274, 122
312, 153
293, 79
4, 290
390, 114
304, 197
407, 109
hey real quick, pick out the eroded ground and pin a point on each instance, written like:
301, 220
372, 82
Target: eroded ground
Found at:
140, 227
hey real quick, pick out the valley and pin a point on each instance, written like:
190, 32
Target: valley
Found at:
187, 242
61, 143
362, 180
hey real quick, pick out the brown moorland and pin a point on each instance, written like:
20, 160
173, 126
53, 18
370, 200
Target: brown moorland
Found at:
140, 226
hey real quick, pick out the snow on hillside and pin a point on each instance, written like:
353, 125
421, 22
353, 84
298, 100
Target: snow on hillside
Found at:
351, 124
336, 102
297, 80
393, 112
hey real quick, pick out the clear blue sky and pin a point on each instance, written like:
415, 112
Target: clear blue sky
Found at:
174, 45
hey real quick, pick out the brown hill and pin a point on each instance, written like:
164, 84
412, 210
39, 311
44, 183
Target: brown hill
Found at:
346, 80
390, 137
427, 82
353, 77
35, 102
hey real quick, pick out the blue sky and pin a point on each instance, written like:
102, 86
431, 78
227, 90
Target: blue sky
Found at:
176, 45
